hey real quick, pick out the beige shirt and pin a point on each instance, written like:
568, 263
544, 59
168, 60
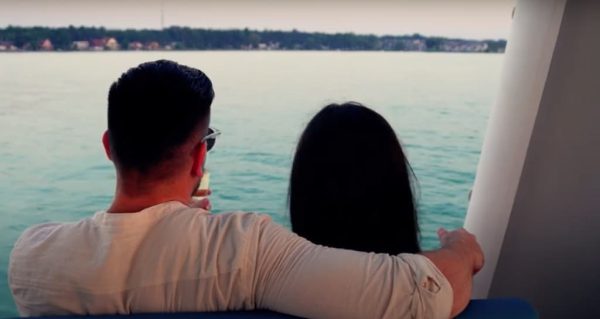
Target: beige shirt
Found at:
171, 258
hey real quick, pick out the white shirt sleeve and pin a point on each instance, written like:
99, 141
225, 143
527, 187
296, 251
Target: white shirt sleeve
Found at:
297, 277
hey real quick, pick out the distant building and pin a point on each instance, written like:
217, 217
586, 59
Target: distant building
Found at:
7, 46
403, 44
464, 46
482, 47
97, 44
268, 46
46, 45
152, 45
174, 46
418, 45
111, 44
135, 45
80, 45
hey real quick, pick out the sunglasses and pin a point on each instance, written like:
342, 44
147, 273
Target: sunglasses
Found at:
210, 138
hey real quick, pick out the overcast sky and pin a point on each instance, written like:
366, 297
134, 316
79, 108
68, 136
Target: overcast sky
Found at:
475, 19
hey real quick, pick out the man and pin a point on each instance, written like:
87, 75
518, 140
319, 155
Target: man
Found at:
152, 251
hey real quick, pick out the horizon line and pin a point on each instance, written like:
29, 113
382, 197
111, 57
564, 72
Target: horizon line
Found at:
253, 29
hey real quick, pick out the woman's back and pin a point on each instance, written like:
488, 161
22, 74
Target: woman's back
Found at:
350, 185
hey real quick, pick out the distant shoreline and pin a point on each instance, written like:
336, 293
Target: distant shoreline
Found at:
238, 50
91, 39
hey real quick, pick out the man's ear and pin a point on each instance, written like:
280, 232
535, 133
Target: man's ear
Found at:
199, 154
106, 143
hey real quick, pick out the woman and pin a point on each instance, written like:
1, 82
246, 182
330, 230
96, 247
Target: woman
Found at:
350, 185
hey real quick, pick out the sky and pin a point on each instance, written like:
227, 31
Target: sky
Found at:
473, 19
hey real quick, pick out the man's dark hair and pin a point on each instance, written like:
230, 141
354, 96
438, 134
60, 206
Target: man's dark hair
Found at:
153, 109
350, 185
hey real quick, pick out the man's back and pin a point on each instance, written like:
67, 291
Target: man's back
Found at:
170, 257
146, 261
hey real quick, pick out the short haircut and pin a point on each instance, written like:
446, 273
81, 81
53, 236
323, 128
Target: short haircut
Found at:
153, 109
351, 184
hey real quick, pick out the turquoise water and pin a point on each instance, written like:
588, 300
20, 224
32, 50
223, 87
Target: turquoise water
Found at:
52, 114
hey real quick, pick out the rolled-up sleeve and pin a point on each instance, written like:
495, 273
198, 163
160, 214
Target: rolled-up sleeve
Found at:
297, 277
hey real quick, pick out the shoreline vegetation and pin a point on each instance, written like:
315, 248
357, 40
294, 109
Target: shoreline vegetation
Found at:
17, 39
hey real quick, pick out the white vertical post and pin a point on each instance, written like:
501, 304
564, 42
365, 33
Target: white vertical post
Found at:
531, 43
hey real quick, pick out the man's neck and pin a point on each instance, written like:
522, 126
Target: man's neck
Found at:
131, 197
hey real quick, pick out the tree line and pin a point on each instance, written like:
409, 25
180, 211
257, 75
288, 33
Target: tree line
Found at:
184, 38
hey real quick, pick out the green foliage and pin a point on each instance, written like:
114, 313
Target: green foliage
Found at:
184, 38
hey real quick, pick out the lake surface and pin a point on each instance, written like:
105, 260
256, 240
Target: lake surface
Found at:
53, 112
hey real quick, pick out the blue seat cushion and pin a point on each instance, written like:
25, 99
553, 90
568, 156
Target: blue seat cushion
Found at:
501, 308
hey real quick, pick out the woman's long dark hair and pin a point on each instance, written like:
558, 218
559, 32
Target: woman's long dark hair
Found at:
350, 185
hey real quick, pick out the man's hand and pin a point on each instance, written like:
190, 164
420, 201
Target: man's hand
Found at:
459, 258
463, 243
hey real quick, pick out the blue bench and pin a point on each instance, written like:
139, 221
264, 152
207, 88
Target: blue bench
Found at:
499, 308
508, 308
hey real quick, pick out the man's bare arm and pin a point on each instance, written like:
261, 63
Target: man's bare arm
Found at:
459, 259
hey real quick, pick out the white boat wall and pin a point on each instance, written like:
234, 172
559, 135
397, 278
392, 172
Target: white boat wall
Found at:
535, 205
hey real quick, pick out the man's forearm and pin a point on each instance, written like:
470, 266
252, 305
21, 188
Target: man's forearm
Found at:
459, 259
458, 272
